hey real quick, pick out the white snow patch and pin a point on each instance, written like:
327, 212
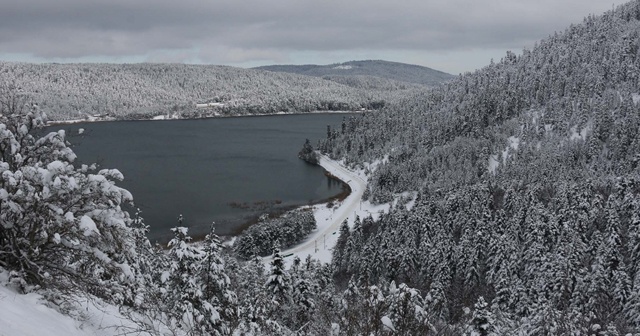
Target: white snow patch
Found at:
343, 67
375, 164
575, 135
80, 130
88, 225
335, 329
229, 242
26, 315
56, 167
209, 105
493, 163
112, 173
164, 276
69, 216
636, 98
386, 321
535, 115
583, 133
514, 142
412, 202
159, 117
126, 270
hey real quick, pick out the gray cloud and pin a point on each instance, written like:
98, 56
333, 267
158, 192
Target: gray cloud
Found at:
235, 31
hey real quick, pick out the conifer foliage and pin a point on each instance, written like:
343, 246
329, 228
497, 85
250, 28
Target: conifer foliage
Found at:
527, 181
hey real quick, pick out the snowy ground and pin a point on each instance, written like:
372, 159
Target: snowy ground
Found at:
31, 315
320, 242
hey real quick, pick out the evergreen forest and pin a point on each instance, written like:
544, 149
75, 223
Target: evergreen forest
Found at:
526, 219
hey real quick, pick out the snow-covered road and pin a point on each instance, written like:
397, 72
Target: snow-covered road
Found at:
321, 241
319, 244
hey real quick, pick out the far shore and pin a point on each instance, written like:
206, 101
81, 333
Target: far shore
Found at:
169, 118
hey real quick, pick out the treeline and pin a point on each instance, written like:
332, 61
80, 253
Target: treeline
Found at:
287, 230
142, 91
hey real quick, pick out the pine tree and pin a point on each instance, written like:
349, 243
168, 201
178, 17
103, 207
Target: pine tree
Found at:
221, 308
307, 153
279, 282
407, 310
481, 323
183, 295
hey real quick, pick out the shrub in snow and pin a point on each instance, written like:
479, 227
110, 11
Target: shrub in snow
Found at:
61, 226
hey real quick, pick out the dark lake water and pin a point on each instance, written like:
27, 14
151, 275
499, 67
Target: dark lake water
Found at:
226, 170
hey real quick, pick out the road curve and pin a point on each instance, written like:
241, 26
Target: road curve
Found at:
343, 211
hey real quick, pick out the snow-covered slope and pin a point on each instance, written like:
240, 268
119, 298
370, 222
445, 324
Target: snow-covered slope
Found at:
32, 315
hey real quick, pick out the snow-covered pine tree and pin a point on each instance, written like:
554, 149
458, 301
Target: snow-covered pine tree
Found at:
406, 311
221, 308
482, 320
279, 282
307, 153
337, 258
183, 297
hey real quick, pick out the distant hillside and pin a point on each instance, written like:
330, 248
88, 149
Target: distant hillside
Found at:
401, 72
143, 91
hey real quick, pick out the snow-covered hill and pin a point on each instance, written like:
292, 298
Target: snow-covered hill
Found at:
142, 91
392, 71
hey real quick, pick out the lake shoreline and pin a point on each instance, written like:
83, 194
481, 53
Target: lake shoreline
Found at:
111, 119
274, 213
225, 170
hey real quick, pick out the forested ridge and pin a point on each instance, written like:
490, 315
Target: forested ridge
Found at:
142, 91
381, 70
528, 182
526, 222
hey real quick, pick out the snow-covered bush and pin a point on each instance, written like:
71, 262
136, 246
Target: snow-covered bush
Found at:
61, 226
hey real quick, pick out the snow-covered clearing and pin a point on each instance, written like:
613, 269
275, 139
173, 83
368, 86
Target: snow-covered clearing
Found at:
494, 161
319, 244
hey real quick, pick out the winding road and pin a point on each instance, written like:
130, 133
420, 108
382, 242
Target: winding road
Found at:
320, 242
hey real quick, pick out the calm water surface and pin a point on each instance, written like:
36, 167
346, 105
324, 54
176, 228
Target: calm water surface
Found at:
226, 170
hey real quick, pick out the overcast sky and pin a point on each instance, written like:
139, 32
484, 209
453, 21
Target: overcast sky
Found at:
449, 35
